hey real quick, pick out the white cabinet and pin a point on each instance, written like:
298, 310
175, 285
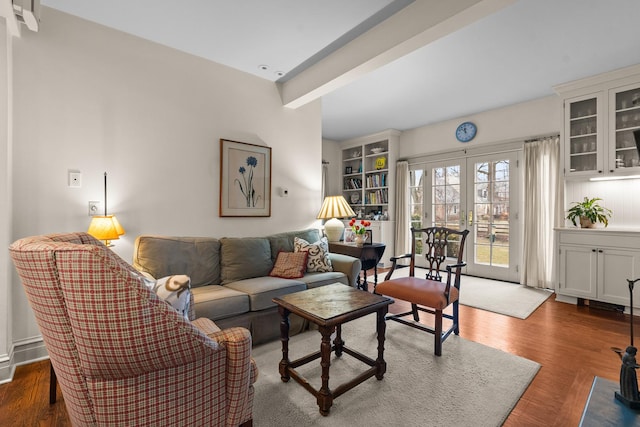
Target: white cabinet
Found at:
584, 151
595, 264
600, 115
624, 119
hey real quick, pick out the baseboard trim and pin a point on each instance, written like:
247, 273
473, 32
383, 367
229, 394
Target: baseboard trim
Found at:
22, 352
7, 367
566, 299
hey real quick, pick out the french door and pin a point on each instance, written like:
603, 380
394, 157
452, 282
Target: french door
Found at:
478, 193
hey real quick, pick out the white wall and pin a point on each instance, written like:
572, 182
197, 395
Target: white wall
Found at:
92, 99
331, 153
539, 117
619, 196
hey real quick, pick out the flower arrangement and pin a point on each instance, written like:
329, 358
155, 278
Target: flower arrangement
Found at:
361, 228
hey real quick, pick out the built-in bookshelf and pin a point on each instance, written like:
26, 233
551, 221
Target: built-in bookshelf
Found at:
366, 182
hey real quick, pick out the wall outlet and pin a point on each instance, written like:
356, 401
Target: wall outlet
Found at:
94, 208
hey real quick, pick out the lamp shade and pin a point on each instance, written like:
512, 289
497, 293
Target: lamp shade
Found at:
334, 207
119, 228
103, 227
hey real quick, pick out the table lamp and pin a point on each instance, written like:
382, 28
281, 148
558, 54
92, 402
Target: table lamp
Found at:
105, 227
334, 207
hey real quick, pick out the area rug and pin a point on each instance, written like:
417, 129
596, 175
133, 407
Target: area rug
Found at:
506, 298
510, 299
469, 385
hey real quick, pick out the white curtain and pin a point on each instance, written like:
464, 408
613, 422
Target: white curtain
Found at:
543, 207
403, 220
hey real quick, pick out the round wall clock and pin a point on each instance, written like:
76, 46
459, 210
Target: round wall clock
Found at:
466, 132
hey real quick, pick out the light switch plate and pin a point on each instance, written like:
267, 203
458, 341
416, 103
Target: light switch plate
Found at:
75, 179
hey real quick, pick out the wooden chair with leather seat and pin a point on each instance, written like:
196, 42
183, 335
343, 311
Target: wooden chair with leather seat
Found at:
429, 295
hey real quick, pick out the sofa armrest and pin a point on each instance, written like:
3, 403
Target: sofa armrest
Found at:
346, 264
241, 373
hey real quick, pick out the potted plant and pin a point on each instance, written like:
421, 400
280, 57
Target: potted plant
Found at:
589, 212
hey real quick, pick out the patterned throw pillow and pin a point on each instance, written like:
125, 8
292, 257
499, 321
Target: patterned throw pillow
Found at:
290, 265
318, 260
174, 290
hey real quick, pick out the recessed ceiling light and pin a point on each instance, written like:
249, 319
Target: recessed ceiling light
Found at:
279, 73
263, 67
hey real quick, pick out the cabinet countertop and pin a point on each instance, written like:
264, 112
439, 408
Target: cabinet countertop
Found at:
609, 229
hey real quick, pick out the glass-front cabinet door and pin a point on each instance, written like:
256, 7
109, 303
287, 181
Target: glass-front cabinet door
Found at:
583, 132
624, 119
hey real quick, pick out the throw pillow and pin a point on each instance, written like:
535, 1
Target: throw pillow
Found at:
318, 260
290, 265
174, 290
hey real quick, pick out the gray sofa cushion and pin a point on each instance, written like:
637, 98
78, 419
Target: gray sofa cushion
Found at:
219, 302
284, 241
314, 280
244, 258
262, 289
197, 257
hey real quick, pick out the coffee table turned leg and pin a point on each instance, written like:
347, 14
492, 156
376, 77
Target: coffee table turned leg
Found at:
284, 338
338, 343
325, 397
381, 328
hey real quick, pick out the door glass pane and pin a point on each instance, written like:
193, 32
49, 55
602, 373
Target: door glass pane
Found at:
416, 191
491, 211
445, 199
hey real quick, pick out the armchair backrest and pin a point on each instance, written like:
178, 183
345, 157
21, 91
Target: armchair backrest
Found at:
98, 320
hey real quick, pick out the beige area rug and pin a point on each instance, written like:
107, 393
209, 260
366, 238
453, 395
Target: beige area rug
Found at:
510, 299
469, 385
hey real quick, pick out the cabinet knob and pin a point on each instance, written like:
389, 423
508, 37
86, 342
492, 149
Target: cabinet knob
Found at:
611, 170
593, 250
599, 171
600, 251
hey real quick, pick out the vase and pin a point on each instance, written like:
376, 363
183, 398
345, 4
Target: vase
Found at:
586, 222
360, 239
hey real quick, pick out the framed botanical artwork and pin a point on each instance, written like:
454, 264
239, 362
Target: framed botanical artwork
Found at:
245, 179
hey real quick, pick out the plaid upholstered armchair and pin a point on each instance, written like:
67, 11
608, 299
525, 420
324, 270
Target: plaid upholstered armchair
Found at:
122, 355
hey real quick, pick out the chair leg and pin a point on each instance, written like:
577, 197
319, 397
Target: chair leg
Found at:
414, 309
456, 328
248, 423
53, 383
438, 333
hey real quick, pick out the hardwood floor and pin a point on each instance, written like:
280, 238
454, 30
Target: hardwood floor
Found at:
571, 343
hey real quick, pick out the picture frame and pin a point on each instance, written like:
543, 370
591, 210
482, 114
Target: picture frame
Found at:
348, 170
245, 179
348, 235
369, 240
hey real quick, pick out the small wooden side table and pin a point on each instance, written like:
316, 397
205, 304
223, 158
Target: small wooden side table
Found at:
330, 307
370, 255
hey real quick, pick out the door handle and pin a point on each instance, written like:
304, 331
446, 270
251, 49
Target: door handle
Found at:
470, 222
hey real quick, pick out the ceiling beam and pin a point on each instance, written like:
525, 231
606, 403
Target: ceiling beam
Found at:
415, 26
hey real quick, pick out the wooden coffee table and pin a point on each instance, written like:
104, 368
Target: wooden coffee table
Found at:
329, 307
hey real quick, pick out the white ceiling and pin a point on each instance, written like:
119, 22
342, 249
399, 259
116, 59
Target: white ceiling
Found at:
513, 55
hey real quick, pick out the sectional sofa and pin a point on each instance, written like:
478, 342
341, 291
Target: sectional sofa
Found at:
230, 279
